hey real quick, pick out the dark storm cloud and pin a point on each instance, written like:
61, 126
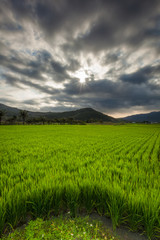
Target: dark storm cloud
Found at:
135, 78
110, 58
141, 76
111, 22
31, 72
105, 94
71, 30
74, 65
41, 88
3, 59
30, 102
44, 63
91, 87
59, 70
14, 81
8, 101
11, 27
124, 23
23, 9
109, 28
106, 88
53, 16
16, 65
10, 80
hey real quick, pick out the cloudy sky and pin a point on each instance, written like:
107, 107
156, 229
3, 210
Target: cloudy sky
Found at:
59, 55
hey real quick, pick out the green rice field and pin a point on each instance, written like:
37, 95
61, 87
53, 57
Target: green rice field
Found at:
113, 170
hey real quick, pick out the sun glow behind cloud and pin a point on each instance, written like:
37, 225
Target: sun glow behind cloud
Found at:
82, 76
58, 54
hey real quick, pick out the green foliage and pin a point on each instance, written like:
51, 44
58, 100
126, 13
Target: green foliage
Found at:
114, 170
2, 113
65, 228
23, 115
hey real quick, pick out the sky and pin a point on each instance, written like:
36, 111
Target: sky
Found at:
60, 55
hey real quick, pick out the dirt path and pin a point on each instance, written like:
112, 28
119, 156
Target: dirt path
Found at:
121, 232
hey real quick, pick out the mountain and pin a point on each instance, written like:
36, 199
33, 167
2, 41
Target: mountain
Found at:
9, 111
147, 117
81, 114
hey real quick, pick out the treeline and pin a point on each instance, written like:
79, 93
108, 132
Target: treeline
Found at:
43, 120
24, 118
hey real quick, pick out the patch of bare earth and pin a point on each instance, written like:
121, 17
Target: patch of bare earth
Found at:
121, 232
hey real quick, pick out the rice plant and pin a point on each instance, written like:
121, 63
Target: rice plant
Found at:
114, 170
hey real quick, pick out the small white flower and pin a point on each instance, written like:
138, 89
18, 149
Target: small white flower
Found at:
72, 234
84, 232
91, 225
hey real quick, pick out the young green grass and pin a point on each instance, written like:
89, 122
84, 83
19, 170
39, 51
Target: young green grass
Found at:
114, 170
61, 228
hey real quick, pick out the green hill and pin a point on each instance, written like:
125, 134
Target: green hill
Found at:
83, 114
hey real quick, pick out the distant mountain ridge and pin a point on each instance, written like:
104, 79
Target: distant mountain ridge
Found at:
83, 114
146, 117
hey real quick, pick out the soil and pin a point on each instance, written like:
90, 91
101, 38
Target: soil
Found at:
121, 232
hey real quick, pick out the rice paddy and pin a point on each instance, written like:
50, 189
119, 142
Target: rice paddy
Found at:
113, 170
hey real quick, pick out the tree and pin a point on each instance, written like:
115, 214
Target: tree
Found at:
14, 118
42, 119
70, 120
2, 113
23, 114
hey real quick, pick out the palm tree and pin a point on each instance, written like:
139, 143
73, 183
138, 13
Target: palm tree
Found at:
23, 114
2, 113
